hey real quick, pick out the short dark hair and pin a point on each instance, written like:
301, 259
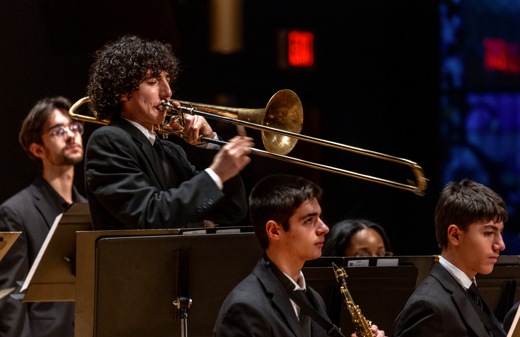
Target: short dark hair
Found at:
32, 126
339, 238
464, 203
120, 67
276, 198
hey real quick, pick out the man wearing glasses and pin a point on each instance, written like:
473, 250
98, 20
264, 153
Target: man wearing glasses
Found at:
54, 142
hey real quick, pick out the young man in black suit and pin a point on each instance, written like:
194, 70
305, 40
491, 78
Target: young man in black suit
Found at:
469, 220
134, 179
285, 214
54, 141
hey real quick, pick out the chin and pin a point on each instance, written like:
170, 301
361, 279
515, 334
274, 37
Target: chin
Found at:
486, 270
314, 257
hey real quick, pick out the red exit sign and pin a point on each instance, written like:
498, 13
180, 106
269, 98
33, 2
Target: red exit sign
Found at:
300, 48
295, 50
502, 56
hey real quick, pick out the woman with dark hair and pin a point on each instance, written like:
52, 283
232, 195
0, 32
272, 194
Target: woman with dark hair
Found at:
356, 237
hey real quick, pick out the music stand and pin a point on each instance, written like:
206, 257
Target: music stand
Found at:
380, 286
132, 281
52, 275
6, 242
514, 331
501, 289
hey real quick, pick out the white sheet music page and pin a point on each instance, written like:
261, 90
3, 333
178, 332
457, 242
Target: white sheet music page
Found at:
40, 253
514, 331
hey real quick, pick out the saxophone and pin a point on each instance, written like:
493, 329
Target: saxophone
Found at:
363, 325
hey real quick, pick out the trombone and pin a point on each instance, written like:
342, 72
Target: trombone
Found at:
280, 123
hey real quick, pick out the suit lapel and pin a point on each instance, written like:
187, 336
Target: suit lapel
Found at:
42, 205
460, 299
280, 297
175, 162
144, 145
311, 294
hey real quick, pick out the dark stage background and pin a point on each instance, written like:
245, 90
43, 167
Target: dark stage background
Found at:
374, 85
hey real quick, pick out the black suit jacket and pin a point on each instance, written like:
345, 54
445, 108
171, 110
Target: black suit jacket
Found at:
260, 306
439, 307
125, 190
32, 212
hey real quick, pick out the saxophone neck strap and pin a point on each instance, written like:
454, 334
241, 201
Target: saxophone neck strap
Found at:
486, 316
303, 302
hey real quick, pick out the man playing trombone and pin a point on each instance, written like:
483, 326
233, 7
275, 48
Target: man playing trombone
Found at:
135, 180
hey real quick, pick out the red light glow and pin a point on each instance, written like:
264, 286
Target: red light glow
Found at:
300, 48
501, 55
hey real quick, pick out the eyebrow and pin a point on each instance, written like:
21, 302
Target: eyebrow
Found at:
57, 125
493, 227
308, 215
366, 248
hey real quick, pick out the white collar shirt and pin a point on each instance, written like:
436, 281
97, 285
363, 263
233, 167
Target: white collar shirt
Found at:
300, 285
457, 274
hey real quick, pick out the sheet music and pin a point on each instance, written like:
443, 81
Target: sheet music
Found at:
514, 331
6, 292
40, 253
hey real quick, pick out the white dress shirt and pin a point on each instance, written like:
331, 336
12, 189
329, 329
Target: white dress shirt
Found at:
301, 285
457, 274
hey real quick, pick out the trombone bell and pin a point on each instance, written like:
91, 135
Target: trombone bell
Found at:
284, 111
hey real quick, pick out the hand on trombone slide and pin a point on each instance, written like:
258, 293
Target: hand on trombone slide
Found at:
232, 157
194, 127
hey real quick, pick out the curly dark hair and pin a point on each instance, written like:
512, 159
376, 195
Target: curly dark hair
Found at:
120, 67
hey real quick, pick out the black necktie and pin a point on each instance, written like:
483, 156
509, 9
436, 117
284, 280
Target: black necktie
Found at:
473, 291
166, 168
487, 317
305, 319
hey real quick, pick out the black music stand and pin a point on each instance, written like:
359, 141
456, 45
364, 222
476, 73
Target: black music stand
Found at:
501, 289
142, 285
380, 291
6, 241
52, 278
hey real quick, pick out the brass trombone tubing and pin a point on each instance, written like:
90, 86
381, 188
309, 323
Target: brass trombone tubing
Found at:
419, 187
324, 167
416, 169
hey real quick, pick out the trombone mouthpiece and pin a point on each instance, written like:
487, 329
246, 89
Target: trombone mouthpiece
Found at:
166, 106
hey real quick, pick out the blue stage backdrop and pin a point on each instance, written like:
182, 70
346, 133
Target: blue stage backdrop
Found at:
480, 100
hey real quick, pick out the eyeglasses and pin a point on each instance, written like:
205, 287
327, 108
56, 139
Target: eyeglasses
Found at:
61, 131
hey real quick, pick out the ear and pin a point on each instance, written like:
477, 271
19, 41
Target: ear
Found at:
37, 150
454, 233
124, 98
273, 230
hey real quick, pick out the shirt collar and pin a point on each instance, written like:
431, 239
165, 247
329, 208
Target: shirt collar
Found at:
148, 134
301, 285
457, 274
56, 200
